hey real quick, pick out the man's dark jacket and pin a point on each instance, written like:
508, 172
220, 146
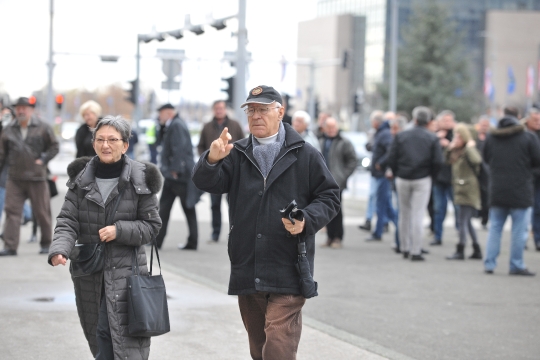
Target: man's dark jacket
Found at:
415, 154
21, 155
177, 151
342, 159
211, 131
262, 253
511, 153
536, 169
444, 176
83, 141
381, 146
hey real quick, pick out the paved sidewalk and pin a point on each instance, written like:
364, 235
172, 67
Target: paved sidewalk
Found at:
39, 318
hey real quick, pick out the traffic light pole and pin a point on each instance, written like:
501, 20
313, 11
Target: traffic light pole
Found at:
50, 66
393, 58
136, 87
241, 53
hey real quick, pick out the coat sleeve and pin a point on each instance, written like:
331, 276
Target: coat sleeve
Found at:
473, 156
349, 158
391, 159
53, 147
215, 179
146, 227
181, 149
386, 143
66, 231
325, 194
535, 151
203, 146
437, 157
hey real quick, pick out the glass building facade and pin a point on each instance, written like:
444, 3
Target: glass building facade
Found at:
469, 16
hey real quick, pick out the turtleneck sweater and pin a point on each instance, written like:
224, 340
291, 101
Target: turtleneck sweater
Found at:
107, 176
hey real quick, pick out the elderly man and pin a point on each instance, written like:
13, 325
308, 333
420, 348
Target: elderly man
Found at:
300, 123
263, 174
415, 157
27, 145
341, 159
209, 133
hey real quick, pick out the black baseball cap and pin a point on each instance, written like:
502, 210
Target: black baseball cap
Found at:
263, 94
23, 101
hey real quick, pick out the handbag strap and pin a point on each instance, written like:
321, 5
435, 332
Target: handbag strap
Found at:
135, 259
152, 255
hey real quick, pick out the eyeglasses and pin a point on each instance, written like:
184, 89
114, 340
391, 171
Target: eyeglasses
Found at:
263, 111
111, 142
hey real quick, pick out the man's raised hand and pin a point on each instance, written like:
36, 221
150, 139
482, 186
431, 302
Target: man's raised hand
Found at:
220, 147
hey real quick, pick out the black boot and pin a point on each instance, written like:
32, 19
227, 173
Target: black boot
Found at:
459, 255
477, 252
366, 226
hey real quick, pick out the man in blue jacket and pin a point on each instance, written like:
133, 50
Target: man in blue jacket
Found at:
263, 173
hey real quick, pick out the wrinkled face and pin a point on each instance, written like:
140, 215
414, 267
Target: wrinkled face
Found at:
299, 125
165, 115
483, 126
331, 128
111, 150
24, 113
265, 125
220, 110
90, 118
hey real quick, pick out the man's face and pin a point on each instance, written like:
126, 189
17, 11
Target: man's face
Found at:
220, 110
165, 115
265, 125
299, 125
331, 128
447, 122
483, 126
24, 113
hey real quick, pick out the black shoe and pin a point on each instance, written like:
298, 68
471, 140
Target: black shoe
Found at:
422, 251
435, 243
490, 272
417, 258
32, 239
459, 254
397, 250
187, 247
7, 252
44, 250
366, 226
405, 254
373, 238
522, 272
477, 252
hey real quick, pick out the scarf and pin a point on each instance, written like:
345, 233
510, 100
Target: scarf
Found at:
266, 154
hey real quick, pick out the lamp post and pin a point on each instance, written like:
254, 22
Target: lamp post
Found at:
50, 66
393, 58
241, 52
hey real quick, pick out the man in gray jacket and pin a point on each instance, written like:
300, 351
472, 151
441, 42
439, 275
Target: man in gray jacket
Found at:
27, 145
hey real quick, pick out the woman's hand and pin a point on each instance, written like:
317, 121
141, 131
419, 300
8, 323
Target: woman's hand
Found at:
107, 233
295, 228
58, 260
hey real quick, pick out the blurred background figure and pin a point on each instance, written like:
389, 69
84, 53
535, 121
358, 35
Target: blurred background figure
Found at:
211, 131
300, 122
91, 113
340, 159
481, 130
532, 123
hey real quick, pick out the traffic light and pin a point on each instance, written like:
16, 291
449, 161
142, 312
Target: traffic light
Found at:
59, 101
229, 91
32, 100
133, 92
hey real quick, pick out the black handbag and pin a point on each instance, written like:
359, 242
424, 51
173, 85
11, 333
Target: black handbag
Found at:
148, 313
88, 259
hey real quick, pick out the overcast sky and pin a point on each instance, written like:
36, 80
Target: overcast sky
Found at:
86, 29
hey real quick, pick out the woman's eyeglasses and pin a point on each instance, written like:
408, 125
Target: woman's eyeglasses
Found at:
109, 141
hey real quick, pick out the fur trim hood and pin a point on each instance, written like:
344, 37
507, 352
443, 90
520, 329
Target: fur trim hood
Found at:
81, 170
508, 126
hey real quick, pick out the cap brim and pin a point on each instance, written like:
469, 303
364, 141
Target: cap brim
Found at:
258, 101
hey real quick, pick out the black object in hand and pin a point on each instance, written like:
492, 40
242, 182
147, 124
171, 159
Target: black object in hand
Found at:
291, 212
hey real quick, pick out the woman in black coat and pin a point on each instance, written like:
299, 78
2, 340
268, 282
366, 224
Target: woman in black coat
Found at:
91, 113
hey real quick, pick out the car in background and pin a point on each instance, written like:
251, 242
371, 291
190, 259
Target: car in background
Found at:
359, 140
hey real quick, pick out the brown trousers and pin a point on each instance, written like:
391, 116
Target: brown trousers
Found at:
16, 194
273, 323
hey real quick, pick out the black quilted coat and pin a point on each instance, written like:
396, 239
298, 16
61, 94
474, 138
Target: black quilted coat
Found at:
137, 221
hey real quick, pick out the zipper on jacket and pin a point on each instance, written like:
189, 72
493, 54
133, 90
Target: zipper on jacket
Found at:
264, 177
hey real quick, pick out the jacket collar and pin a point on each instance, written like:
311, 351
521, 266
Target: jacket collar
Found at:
292, 138
508, 126
385, 125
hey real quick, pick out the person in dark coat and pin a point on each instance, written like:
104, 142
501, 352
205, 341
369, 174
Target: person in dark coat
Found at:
382, 141
532, 122
511, 153
209, 133
90, 112
176, 165
262, 174
93, 188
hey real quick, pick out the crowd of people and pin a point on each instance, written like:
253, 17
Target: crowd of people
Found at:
484, 171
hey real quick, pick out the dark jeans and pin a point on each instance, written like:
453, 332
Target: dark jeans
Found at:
334, 228
441, 194
535, 218
216, 215
103, 333
172, 189
385, 210
484, 211
464, 224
